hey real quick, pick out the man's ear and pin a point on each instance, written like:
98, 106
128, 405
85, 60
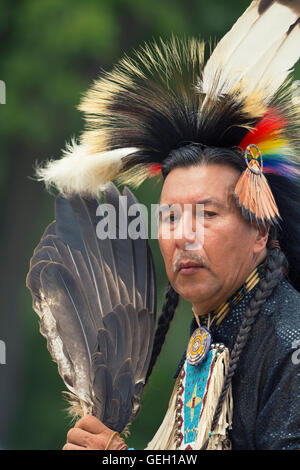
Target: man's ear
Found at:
262, 235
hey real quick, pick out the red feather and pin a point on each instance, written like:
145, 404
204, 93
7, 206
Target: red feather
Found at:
155, 169
268, 128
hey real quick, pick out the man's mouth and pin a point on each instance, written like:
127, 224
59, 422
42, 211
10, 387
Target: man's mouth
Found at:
189, 267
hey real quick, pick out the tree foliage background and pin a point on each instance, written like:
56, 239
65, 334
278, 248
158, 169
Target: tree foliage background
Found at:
50, 52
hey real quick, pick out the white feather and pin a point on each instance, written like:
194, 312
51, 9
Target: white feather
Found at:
48, 328
248, 45
82, 172
274, 67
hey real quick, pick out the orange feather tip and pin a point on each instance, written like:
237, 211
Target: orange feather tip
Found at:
254, 196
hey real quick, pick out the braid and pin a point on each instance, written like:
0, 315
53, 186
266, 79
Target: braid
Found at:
273, 272
168, 311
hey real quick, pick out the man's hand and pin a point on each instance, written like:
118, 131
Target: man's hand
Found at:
90, 434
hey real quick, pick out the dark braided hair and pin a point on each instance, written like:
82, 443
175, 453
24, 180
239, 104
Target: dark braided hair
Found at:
168, 311
274, 264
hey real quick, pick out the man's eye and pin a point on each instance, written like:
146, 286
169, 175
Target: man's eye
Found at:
173, 217
209, 214
170, 218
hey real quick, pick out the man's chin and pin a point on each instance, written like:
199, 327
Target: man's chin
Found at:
198, 292
195, 295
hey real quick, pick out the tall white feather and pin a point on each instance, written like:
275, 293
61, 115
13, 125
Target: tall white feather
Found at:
275, 65
82, 172
254, 51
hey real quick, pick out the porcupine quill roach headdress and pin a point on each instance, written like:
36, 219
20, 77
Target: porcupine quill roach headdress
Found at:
167, 95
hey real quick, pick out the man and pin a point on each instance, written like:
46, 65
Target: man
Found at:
224, 264
223, 135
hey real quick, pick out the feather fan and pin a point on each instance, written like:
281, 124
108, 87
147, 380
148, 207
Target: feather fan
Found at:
96, 299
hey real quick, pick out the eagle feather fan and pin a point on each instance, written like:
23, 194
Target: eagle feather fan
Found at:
96, 300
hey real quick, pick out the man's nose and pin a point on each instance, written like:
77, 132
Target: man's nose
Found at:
189, 235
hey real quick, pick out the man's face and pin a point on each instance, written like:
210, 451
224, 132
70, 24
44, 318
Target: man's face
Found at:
231, 246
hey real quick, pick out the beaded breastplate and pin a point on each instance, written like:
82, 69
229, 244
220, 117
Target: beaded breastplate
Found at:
202, 377
195, 395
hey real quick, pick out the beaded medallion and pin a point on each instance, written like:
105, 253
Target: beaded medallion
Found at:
254, 159
198, 347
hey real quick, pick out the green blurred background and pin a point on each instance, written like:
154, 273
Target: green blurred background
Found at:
50, 52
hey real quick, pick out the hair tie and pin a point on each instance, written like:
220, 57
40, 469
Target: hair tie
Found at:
273, 244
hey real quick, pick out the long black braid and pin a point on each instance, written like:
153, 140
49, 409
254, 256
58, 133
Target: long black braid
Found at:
274, 264
164, 321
